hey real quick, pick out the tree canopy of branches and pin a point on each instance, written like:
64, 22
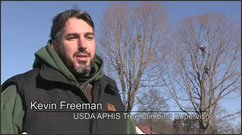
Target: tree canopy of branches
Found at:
132, 38
152, 105
205, 65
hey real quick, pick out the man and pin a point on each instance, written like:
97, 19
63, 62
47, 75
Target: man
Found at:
66, 92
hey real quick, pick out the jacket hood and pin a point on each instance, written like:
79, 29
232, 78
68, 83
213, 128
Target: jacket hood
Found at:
47, 55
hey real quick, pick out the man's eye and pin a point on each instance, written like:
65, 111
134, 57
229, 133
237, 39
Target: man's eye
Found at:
71, 38
90, 37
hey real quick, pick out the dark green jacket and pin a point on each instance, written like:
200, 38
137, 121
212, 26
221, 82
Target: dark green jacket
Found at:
12, 112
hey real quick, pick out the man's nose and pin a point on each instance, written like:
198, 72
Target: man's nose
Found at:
82, 43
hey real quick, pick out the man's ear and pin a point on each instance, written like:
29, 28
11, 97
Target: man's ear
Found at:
54, 45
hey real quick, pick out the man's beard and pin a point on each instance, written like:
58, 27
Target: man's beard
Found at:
82, 69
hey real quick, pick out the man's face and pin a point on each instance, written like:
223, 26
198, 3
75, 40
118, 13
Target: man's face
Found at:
77, 46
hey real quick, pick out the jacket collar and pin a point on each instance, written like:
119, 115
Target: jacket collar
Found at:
50, 74
53, 75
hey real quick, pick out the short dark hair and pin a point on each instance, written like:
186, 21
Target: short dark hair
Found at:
60, 20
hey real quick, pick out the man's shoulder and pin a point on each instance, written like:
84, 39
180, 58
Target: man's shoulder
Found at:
14, 79
21, 75
108, 79
109, 82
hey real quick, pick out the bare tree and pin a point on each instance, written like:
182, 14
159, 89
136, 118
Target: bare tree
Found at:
185, 126
178, 125
228, 127
205, 65
152, 101
238, 128
152, 107
132, 37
